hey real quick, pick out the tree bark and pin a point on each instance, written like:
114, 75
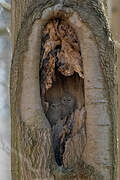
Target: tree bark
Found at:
115, 31
32, 146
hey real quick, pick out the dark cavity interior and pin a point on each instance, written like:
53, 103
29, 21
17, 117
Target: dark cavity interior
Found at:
62, 84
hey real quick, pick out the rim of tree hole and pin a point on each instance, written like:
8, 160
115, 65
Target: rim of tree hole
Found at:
62, 98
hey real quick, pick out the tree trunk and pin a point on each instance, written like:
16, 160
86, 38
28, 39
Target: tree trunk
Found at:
115, 31
63, 52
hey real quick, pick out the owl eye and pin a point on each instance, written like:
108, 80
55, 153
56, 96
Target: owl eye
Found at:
53, 105
69, 99
64, 100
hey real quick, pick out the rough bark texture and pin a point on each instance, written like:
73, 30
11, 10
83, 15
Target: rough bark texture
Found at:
115, 25
32, 149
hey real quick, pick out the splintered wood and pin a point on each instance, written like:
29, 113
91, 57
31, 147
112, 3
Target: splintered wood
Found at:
61, 51
62, 90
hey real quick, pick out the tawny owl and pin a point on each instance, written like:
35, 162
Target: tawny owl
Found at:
68, 104
54, 112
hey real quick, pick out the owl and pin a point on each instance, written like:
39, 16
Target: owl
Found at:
68, 105
53, 113
59, 115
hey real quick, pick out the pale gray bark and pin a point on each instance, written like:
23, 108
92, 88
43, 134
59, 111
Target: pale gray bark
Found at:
115, 31
5, 59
